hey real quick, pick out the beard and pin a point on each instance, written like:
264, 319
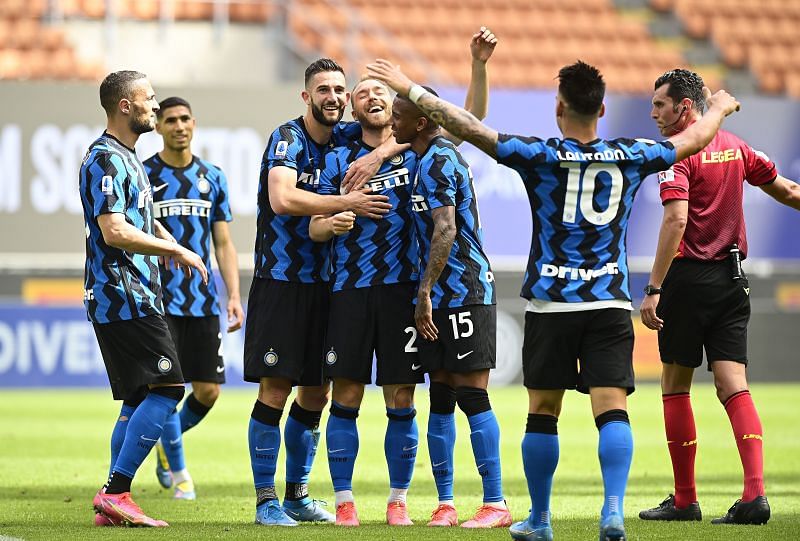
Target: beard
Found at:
139, 126
319, 115
368, 121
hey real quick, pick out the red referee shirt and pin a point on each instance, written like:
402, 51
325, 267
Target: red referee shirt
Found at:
713, 181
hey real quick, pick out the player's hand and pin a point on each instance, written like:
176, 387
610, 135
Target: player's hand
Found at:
482, 44
364, 203
360, 171
235, 314
423, 318
385, 71
721, 100
648, 313
188, 260
342, 222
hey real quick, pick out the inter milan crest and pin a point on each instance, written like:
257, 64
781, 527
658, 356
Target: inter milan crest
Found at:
396, 160
270, 358
164, 365
330, 357
203, 185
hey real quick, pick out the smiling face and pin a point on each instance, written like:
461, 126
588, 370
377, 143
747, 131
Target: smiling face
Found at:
407, 122
326, 97
176, 127
371, 106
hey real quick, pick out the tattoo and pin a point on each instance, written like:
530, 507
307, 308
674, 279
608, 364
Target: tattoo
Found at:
444, 234
459, 122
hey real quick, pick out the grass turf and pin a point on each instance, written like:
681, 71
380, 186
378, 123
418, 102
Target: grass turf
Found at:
54, 449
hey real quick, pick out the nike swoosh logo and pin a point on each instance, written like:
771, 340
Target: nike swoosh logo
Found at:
481, 465
175, 442
410, 448
264, 448
416, 367
159, 188
462, 355
332, 451
439, 463
220, 369
148, 439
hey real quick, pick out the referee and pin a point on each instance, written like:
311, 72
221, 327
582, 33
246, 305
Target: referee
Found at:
698, 295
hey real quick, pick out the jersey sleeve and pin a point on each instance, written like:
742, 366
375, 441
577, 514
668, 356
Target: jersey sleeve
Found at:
284, 148
440, 181
759, 169
346, 132
222, 207
673, 183
330, 178
655, 156
106, 178
521, 153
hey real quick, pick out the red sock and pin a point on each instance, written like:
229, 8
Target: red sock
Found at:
682, 444
749, 439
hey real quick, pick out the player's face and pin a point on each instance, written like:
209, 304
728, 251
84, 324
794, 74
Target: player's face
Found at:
665, 111
371, 105
176, 127
327, 97
405, 118
142, 107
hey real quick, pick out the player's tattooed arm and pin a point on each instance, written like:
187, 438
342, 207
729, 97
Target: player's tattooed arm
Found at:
444, 234
454, 119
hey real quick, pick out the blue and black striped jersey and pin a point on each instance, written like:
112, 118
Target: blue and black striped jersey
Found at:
581, 197
187, 201
374, 252
118, 285
284, 250
444, 179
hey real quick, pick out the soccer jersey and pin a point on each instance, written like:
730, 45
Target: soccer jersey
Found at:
284, 250
712, 181
118, 285
374, 252
187, 201
581, 197
444, 179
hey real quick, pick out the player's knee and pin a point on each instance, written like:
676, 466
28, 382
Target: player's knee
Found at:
472, 400
206, 394
399, 397
348, 393
173, 392
274, 392
313, 398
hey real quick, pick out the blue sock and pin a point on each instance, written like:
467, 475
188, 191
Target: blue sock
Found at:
441, 443
192, 413
539, 459
615, 450
400, 445
144, 429
118, 434
485, 437
341, 435
264, 439
301, 434
173, 442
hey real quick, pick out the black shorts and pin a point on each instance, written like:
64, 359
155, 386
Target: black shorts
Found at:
199, 344
284, 336
467, 340
376, 319
703, 308
578, 350
137, 352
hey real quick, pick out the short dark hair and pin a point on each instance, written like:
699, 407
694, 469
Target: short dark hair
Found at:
117, 86
320, 66
683, 84
582, 87
172, 101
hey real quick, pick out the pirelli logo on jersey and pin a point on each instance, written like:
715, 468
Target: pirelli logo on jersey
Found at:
577, 273
721, 156
390, 180
418, 203
182, 207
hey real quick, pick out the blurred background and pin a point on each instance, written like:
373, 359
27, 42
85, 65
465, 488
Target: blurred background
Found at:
240, 65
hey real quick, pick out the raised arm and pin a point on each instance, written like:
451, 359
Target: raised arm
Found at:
699, 135
783, 191
454, 119
444, 234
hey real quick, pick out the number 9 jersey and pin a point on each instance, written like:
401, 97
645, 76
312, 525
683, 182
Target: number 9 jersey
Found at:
581, 197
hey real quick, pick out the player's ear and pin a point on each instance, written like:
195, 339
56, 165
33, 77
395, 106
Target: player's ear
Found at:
306, 97
124, 106
602, 110
560, 108
422, 123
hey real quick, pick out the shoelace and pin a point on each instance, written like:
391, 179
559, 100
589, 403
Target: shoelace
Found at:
442, 507
485, 511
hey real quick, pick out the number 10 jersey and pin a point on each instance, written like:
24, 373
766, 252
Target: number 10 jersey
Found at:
581, 197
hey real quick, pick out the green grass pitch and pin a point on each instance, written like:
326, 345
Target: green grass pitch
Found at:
54, 449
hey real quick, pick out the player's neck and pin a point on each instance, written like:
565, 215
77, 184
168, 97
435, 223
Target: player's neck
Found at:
176, 158
320, 133
375, 137
122, 133
423, 141
580, 132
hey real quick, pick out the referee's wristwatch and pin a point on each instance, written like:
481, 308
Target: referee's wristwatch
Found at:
650, 289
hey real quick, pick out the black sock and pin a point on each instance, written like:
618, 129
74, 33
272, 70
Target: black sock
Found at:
118, 483
295, 491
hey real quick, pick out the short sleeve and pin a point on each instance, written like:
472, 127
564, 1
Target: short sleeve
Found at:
440, 181
330, 178
521, 153
673, 183
759, 169
222, 208
345, 133
284, 149
106, 177
655, 155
